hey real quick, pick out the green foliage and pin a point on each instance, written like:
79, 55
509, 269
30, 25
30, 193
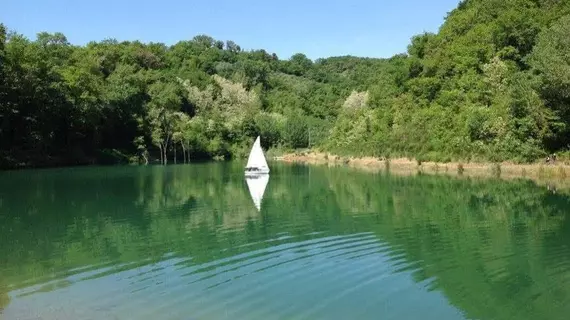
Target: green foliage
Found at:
296, 133
271, 126
493, 84
550, 59
468, 94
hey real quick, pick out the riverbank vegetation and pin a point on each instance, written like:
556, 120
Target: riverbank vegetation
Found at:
493, 84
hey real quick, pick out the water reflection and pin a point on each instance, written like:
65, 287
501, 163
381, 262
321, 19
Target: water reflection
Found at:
256, 185
185, 241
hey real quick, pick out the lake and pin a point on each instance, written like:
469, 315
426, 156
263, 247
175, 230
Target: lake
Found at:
189, 242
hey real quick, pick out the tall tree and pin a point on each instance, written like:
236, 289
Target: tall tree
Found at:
162, 108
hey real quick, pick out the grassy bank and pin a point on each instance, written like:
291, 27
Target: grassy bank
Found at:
553, 175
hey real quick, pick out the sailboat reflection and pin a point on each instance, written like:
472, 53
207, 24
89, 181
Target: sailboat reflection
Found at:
256, 185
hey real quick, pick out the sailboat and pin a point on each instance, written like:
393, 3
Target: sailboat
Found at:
256, 163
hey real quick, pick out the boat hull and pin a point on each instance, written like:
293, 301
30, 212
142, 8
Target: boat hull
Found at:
256, 171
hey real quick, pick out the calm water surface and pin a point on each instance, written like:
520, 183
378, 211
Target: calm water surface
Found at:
189, 242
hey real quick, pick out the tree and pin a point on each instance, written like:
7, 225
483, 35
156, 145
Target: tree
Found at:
232, 46
165, 101
356, 100
204, 40
551, 59
2, 45
299, 64
493, 83
3, 75
4, 94
419, 46
181, 134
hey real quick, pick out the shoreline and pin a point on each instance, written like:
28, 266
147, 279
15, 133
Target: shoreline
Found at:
551, 175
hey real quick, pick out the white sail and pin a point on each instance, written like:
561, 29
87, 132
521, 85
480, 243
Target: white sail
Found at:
256, 159
256, 186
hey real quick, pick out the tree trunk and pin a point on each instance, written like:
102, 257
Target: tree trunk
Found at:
174, 145
166, 143
161, 161
145, 158
183, 152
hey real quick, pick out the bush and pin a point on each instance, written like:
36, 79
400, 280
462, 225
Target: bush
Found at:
296, 133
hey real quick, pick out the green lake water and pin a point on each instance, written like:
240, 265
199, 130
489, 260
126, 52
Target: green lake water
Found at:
188, 242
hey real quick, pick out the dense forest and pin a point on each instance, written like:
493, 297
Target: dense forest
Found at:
493, 84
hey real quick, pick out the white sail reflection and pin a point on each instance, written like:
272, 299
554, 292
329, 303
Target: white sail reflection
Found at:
256, 185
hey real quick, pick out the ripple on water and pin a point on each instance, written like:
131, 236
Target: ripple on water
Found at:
179, 249
285, 279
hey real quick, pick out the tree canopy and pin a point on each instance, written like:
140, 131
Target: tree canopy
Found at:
492, 84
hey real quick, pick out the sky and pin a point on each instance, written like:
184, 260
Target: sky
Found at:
317, 28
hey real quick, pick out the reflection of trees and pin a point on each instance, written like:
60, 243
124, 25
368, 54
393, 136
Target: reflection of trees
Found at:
496, 249
490, 246
4, 298
82, 217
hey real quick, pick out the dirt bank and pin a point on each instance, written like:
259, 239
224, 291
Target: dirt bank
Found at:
552, 175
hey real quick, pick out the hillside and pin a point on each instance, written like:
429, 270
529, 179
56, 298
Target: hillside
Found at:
493, 84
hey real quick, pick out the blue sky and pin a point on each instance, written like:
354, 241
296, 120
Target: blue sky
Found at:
318, 28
